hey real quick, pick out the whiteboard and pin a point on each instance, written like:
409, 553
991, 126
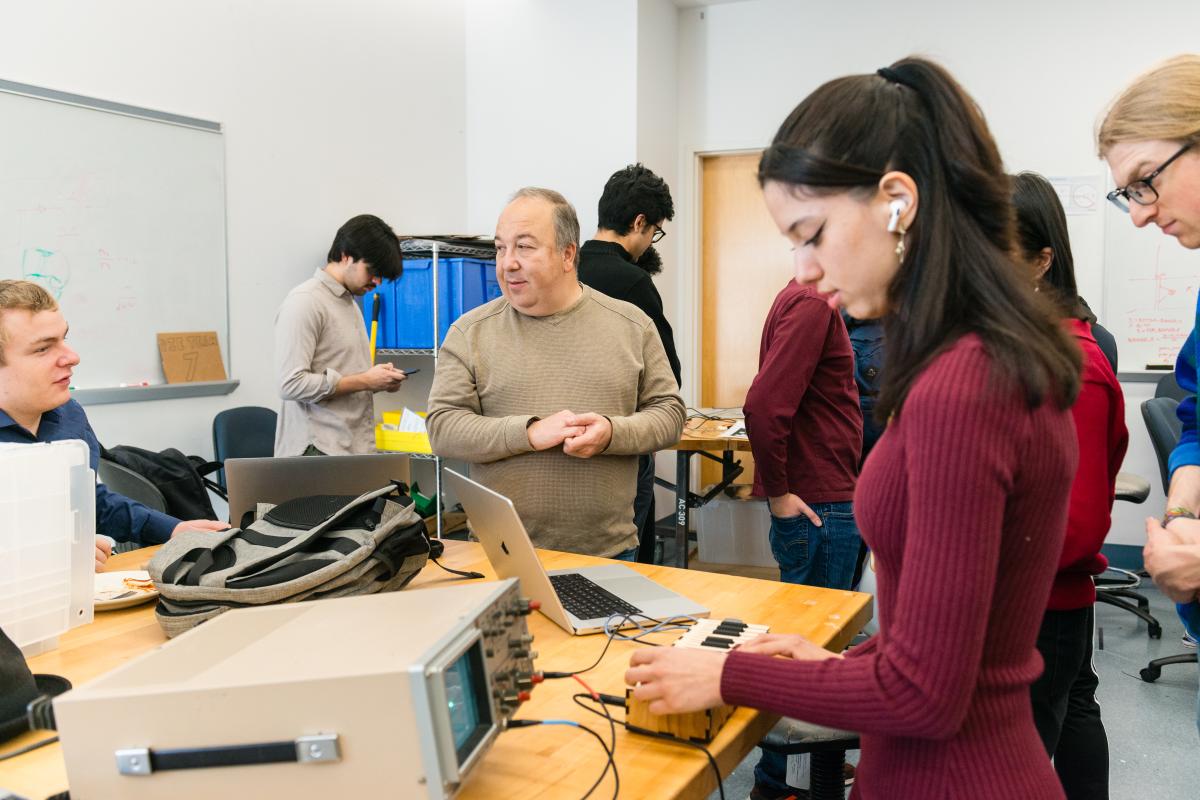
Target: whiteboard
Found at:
120, 213
1150, 288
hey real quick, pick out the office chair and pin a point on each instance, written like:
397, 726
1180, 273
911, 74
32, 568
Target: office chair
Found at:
125, 481
1117, 591
1165, 430
828, 747
1169, 387
1120, 590
1107, 344
243, 432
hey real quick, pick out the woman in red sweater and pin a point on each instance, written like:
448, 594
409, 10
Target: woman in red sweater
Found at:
1064, 697
891, 191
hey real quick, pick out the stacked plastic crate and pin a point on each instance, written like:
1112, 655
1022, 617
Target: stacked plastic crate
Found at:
465, 279
448, 275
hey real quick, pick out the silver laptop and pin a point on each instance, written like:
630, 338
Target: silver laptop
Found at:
273, 480
579, 600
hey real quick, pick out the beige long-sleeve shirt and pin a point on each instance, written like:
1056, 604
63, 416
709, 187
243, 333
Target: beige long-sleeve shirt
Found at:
500, 370
319, 338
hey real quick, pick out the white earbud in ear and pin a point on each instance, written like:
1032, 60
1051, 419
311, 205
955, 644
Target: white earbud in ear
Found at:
897, 207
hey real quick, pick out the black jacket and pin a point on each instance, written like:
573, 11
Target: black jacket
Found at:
607, 268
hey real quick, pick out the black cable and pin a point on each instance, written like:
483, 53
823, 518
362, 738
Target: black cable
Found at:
436, 548
610, 764
612, 725
609, 699
20, 751
612, 634
458, 572
712, 762
599, 658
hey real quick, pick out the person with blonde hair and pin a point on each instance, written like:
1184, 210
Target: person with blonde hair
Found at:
36, 365
1150, 138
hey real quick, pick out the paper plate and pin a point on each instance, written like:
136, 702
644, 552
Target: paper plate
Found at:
112, 592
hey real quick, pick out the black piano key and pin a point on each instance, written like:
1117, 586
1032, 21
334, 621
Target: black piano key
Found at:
718, 641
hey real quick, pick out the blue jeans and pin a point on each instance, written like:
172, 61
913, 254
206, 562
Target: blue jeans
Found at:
627, 555
823, 556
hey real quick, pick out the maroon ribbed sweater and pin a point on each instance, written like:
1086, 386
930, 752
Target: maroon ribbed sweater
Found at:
964, 504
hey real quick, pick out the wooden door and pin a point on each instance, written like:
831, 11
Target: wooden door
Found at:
745, 262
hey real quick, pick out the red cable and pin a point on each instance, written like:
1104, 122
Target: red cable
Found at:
589, 689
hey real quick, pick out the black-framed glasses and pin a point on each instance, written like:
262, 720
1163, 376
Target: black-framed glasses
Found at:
659, 233
1142, 190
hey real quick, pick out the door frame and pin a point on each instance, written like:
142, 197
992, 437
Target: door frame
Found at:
692, 289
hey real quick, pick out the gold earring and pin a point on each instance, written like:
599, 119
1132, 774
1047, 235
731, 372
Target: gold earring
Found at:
900, 244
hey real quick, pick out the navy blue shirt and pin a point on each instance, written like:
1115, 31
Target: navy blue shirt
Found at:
116, 515
866, 338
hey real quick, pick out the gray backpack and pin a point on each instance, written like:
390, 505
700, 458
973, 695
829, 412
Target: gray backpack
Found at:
309, 548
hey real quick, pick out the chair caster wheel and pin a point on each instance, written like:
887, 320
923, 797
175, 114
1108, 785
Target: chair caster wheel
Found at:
1150, 674
1155, 631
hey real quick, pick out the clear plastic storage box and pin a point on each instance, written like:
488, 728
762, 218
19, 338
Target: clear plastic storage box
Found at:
734, 532
47, 541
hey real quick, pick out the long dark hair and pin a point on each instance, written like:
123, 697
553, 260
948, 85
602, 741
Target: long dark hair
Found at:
1042, 223
958, 275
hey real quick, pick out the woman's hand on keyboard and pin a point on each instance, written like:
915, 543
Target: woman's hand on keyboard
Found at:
674, 680
789, 646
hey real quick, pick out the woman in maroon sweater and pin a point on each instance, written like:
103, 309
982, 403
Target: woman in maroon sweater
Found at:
891, 190
1064, 697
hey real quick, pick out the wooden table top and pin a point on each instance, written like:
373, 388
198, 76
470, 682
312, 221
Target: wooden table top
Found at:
704, 433
543, 762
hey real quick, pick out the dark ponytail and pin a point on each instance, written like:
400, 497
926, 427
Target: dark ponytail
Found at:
958, 275
1041, 223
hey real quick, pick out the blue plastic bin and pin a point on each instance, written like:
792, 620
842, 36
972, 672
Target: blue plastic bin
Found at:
491, 285
414, 301
467, 284
385, 337
406, 311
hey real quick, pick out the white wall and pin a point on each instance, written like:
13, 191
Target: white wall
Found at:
330, 110
657, 125
563, 94
1042, 73
551, 93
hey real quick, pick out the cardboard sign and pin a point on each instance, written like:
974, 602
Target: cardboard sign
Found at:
191, 357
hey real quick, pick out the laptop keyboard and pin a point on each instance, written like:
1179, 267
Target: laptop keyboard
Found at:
586, 599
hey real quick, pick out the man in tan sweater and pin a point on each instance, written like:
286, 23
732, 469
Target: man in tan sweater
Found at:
554, 389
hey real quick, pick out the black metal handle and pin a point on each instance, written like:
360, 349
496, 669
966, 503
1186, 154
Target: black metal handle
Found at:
305, 750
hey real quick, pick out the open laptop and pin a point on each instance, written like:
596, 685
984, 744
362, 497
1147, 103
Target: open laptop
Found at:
273, 480
578, 600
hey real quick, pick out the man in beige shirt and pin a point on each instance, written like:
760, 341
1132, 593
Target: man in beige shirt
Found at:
553, 390
322, 355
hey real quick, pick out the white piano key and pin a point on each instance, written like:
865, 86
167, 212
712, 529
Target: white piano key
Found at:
704, 628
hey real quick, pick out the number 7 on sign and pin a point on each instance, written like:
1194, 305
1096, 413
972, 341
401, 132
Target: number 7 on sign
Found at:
191, 359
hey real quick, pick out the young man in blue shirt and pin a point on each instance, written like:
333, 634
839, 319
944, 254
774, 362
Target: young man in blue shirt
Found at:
36, 406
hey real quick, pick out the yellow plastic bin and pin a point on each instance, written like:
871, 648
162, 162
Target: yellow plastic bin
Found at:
398, 441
